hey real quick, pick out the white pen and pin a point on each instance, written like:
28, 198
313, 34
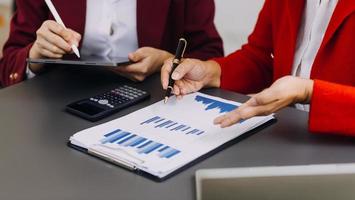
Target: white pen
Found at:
60, 21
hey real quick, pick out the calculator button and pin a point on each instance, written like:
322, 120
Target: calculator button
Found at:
103, 101
93, 99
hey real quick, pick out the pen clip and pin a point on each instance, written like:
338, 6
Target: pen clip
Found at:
181, 48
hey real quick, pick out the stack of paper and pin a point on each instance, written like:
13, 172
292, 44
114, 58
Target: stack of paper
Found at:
161, 138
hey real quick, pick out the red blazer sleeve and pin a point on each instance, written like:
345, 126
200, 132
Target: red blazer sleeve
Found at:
200, 30
332, 109
26, 21
250, 69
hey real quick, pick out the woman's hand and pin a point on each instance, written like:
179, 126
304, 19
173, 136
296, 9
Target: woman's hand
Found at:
146, 61
53, 41
285, 91
191, 75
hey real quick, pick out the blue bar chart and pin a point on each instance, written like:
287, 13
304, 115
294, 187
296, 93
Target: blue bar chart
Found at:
140, 144
172, 126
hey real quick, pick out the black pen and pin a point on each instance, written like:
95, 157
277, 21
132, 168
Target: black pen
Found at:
180, 50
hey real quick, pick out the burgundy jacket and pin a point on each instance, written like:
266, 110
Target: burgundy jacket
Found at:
160, 23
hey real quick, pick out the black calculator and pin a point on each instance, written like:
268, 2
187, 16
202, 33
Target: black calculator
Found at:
107, 103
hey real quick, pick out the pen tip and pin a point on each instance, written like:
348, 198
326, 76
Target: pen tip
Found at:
76, 50
77, 54
166, 100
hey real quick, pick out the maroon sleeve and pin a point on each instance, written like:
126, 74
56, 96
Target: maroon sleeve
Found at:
200, 30
249, 70
27, 19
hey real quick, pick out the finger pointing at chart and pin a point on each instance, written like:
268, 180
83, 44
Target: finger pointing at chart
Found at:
285, 91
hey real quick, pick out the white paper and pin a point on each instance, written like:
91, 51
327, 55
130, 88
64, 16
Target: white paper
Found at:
190, 134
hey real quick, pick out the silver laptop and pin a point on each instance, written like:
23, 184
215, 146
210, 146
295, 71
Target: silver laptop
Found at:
308, 182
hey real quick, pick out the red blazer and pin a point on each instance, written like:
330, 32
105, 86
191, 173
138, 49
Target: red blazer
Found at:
160, 23
269, 55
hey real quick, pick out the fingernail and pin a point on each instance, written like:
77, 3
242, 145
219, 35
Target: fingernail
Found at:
75, 43
175, 75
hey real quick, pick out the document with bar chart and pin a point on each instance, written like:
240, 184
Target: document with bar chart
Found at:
162, 138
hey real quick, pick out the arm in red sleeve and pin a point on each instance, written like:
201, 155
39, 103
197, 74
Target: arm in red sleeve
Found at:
249, 70
26, 21
332, 109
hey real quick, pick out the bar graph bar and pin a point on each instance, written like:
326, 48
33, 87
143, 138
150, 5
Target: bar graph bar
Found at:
178, 128
187, 128
159, 122
165, 123
150, 120
135, 142
112, 133
173, 124
164, 148
145, 144
126, 139
150, 148
168, 153
140, 144
200, 133
117, 135
193, 131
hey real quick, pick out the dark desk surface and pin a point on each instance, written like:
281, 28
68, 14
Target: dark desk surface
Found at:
36, 164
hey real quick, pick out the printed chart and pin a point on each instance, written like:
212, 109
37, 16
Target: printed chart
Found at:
142, 145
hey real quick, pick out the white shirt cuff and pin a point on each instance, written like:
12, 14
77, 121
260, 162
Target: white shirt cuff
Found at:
29, 73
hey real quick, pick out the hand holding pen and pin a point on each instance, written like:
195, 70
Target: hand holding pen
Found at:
190, 75
60, 21
180, 50
53, 40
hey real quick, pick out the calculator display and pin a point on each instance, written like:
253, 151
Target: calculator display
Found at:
87, 108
